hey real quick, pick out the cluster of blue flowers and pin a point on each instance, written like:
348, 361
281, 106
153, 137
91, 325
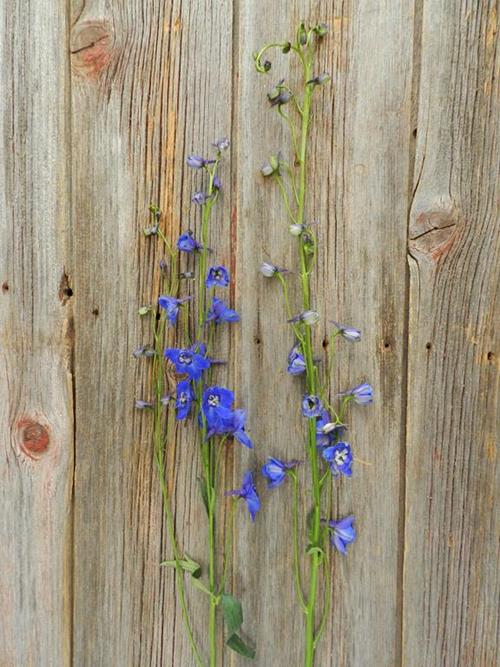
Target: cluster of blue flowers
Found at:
212, 405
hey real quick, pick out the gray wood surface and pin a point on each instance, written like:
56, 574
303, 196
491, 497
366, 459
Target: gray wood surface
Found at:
101, 102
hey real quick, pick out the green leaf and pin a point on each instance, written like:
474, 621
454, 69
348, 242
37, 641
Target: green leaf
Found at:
187, 564
315, 549
204, 492
232, 611
236, 643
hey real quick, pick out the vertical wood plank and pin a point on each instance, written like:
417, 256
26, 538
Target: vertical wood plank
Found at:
151, 82
36, 408
359, 181
451, 581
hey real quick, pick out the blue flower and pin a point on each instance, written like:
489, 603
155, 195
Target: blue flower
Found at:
219, 312
187, 243
236, 427
216, 184
171, 305
216, 405
275, 471
249, 493
184, 399
217, 276
339, 456
196, 161
342, 533
362, 394
200, 198
188, 361
351, 334
311, 406
296, 361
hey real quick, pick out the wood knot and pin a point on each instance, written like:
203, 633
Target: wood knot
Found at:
92, 45
433, 233
34, 438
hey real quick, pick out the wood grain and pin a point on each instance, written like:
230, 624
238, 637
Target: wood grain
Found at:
36, 334
145, 94
358, 195
101, 102
451, 582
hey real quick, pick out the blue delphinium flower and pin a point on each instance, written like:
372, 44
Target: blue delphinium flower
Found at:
219, 312
216, 405
199, 198
188, 361
276, 471
187, 243
217, 276
342, 533
236, 427
172, 305
196, 161
249, 493
311, 406
362, 394
339, 457
327, 431
184, 399
351, 334
296, 361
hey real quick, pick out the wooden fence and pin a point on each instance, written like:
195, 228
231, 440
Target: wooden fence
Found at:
100, 103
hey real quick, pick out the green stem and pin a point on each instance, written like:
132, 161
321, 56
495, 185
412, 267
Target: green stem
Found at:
310, 378
296, 550
158, 441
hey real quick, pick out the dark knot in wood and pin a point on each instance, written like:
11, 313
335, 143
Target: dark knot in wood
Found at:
34, 440
434, 233
92, 45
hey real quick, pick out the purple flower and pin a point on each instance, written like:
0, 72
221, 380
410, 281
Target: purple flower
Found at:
349, 333
222, 144
219, 312
308, 317
269, 270
339, 457
196, 161
184, 399
311, 406
199, 198
188, 361
362, 394
342, 533
249, 493
296, 361
187, 243
275, 471
217, 276
143, 405
216, 184
171, 305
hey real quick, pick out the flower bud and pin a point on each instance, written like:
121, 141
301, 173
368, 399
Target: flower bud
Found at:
195, 161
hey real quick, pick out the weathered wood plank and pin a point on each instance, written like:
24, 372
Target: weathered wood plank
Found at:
360, 170
451, 582
150, 83
36, 409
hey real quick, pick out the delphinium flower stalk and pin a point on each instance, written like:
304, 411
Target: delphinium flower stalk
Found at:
328, 455
188, 329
